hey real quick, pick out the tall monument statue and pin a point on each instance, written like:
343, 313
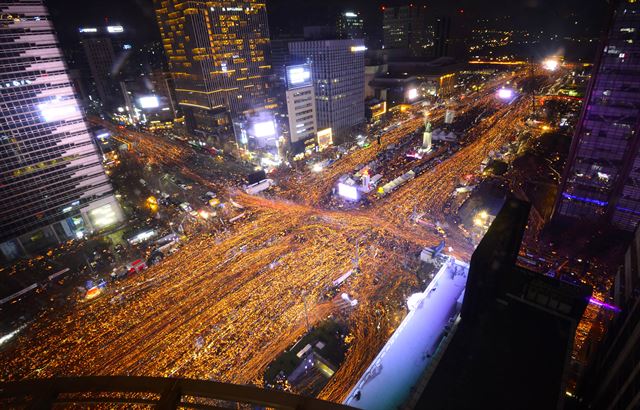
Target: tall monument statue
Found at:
426, 137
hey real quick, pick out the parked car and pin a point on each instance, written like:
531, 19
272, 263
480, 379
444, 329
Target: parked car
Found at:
186, 207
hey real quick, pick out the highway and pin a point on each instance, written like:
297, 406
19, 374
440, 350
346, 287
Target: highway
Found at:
228, 303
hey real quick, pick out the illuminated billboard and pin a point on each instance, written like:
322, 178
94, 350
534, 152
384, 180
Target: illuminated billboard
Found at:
505, 93
412, 94
57, 110
88, 30
149, 101
379, 109
264, 129
298, 76
103, 216
355, 49
349, 192
115, 29
325, 138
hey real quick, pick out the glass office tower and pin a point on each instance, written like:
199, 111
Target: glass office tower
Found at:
52, 184
350, 25
406, 27
337, 69
602, 178
105, 52
218, 54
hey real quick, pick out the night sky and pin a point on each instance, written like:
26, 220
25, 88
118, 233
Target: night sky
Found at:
552, 16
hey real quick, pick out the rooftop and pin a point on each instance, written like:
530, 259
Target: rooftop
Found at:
495, 363
388, 381
516, 331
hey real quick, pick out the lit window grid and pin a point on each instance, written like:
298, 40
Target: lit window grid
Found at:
338, 75
208, 74
609, 130
35, 199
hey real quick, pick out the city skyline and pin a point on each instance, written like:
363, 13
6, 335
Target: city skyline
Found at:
323, 204
528, 13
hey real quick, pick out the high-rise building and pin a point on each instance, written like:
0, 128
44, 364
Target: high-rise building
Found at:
612, 380
601, 181
406, 28
280, 57
218, 54
515, 331
163, 87
350, 25
395, 27
104, 53
53, 184
301, 108
337, 69
148, 99
441, 36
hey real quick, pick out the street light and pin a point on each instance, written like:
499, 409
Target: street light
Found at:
550, 64
481, 219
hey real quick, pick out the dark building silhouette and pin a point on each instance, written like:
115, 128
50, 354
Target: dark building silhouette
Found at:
441, 36
612, 380
512, 345
406, 28
350, 24
105, 52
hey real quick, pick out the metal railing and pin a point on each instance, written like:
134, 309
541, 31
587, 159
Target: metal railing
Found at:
148, 392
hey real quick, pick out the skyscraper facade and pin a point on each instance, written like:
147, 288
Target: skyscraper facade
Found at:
104, 53
162, 84
301, 108
602, 179
407, 28
337, 68
218, 54
350, 25
53, 183
280, 57
612, 380
442, 32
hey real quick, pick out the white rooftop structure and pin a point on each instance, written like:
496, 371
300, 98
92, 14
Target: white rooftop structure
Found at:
387, 383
